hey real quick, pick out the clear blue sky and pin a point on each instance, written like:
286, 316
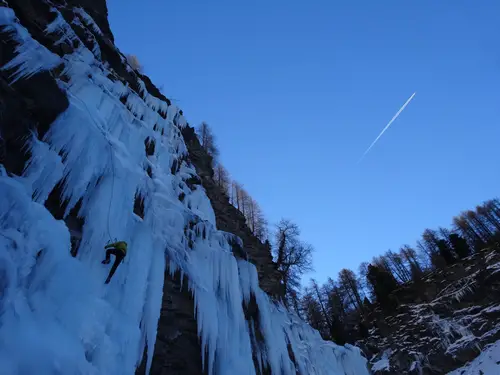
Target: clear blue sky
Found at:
296, 91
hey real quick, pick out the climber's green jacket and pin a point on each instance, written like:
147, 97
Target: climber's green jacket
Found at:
120, 245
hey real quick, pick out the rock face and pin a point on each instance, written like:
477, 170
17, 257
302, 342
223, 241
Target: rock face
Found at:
177, 349
442, 322
26, 106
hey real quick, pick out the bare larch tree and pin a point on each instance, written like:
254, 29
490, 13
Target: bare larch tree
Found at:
293, 256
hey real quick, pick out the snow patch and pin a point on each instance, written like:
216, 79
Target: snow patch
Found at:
487, 363
383, 364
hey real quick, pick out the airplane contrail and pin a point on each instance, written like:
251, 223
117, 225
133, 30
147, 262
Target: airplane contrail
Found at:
387, 126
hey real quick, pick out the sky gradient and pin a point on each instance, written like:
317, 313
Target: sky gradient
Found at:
297, 91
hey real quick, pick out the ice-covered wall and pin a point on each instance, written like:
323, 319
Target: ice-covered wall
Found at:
56, 314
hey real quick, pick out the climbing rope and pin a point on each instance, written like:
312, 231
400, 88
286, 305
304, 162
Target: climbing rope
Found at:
3, 235
110, 153
112, 187
110, 156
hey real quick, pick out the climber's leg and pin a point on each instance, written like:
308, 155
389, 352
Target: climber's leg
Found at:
118, 258
110, 252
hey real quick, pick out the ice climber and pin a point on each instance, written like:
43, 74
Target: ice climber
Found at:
119, 250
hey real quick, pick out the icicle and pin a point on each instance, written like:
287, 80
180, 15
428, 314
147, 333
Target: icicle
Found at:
44, 169
31, 56
88, 20
59, 25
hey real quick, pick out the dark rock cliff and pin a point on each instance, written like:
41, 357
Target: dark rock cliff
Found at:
177, 349
26, 105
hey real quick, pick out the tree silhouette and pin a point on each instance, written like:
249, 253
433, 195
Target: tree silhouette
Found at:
348, 281
459, 245
207, 139
445, 252
293, 256
221, 178
383, 284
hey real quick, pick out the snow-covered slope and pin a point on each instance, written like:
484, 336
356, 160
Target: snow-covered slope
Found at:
110, 148
446, 320
487, 363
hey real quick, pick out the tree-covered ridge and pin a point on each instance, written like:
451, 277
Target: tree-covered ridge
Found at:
339, 308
